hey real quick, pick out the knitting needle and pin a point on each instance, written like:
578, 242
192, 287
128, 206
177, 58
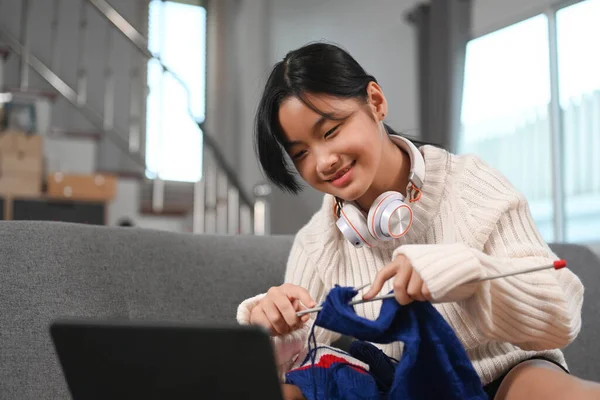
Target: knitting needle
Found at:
319, 308
555, 265
559, 264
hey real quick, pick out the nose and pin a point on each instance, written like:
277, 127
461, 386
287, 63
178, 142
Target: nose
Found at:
327, 163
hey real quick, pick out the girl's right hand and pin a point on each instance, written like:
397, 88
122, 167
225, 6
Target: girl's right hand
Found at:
277, 310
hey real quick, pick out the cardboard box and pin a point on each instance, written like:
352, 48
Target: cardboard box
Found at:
96, 187
21, 164
12, 141
30, 145
8, 142
17, 163
24, 184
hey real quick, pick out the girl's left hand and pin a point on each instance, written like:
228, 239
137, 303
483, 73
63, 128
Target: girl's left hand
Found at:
408, 285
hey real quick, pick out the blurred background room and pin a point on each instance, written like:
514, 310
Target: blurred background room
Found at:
140, 112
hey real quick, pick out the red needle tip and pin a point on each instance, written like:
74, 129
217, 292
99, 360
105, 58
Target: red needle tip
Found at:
560, 264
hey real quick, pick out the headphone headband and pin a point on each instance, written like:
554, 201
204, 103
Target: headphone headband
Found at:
417, 163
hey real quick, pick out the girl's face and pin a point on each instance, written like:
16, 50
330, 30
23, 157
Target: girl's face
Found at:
339, 156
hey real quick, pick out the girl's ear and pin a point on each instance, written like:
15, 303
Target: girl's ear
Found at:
377, 101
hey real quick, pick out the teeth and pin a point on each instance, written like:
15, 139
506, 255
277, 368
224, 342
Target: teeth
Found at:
341, 173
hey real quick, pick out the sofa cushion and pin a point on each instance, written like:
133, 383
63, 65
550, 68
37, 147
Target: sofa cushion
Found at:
583, 355
51, 270
193, 278
47, 271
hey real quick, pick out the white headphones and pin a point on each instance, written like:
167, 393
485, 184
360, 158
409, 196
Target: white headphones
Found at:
390, 216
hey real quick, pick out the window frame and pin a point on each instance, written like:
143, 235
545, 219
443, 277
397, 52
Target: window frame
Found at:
555, 114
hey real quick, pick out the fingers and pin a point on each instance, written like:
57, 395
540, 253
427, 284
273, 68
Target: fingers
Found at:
408, 284
287, 311
276, 320
426, 293
298, 292
415, 286
277, 310
299, 307
300, 300
401, 283
258, 317
382, 276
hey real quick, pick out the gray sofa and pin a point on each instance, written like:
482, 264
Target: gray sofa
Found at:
51, 270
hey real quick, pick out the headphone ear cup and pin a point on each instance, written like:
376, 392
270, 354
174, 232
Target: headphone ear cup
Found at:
378, 218
353, 225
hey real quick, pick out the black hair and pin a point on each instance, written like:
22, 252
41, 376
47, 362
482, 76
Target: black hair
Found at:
316, 68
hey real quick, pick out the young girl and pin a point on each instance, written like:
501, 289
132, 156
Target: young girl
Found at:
461, 221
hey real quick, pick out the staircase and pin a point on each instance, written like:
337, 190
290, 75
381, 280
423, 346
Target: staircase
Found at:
101, 108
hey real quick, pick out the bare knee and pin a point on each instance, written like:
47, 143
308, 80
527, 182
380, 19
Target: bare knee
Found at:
538, 379
589, 390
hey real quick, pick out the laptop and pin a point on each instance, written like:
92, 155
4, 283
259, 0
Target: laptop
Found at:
144, 360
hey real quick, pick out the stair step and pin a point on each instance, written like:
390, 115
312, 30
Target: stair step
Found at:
139, 176
167, 212
60, 133
30, 93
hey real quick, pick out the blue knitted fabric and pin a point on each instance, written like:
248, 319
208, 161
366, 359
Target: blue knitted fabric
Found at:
434, 364
332, 377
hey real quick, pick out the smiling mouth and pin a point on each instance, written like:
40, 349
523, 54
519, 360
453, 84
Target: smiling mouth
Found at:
342, 172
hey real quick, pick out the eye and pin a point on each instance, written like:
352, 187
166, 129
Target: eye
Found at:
299, 154
331, 131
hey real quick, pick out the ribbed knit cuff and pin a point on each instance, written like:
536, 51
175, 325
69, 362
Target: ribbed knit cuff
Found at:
245, 308
445, 268
288, 347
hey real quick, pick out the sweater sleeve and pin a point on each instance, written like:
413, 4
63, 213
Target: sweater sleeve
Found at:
535, 311
302, 272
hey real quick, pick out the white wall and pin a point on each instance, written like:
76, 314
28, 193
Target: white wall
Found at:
490, 15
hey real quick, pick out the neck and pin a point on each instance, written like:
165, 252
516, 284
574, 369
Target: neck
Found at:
393, 172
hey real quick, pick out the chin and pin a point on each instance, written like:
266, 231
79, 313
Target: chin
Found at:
351, 193
356, 189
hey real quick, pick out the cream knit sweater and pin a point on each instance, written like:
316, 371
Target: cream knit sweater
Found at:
469, 223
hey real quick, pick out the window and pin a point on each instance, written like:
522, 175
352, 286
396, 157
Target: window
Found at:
506, 115
578, 33
177, 33
505, 110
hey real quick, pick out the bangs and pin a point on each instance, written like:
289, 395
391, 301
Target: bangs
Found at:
332, 116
